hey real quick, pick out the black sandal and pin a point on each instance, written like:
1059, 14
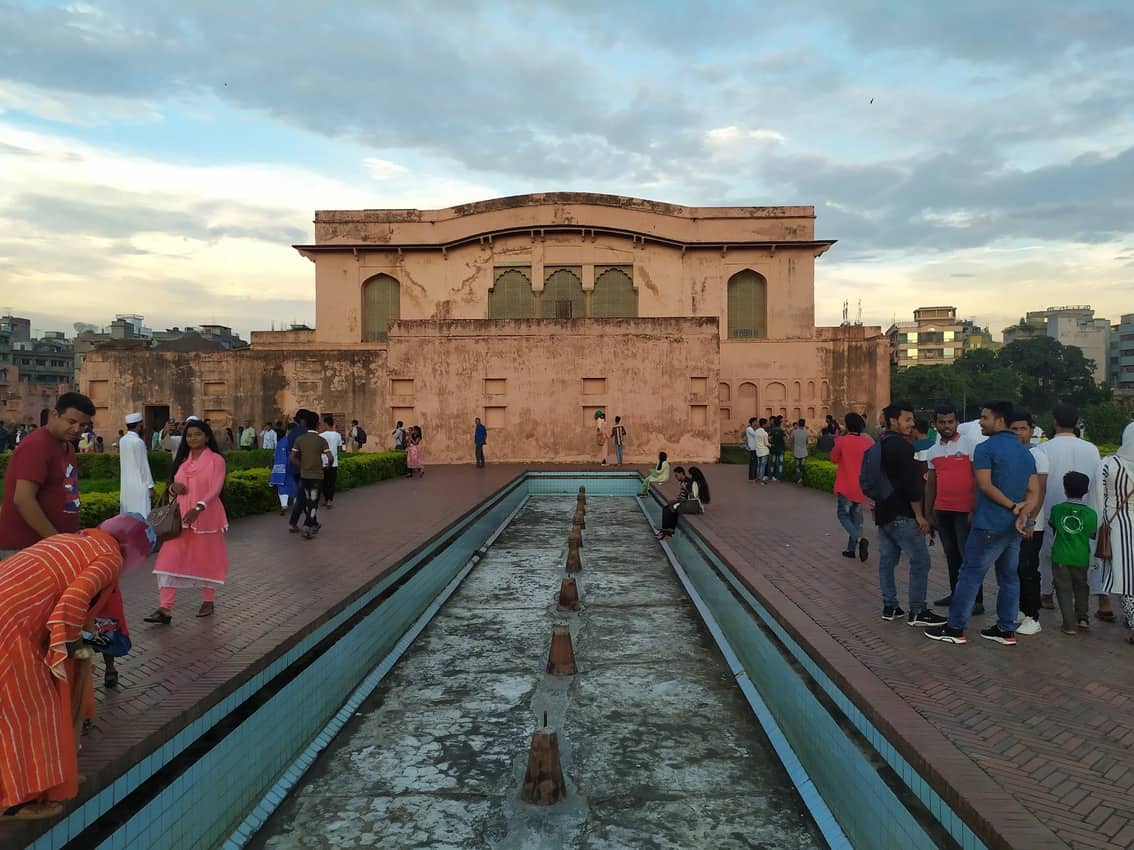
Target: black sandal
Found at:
110, 679
159, 616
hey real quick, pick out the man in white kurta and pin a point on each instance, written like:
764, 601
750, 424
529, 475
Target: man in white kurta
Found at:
136, 481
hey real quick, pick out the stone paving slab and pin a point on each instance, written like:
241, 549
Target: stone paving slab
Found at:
1038, 738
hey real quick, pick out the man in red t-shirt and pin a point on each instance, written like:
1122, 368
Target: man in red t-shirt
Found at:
847, 455
950, 494
41, 484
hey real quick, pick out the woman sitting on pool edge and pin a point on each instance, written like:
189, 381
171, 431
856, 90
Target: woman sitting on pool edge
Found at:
691, 499
658, 474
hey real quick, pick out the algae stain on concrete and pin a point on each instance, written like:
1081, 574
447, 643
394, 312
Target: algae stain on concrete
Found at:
658, 747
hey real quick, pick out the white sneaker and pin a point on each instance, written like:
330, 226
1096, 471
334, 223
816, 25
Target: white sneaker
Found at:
1029, 627
1020, 617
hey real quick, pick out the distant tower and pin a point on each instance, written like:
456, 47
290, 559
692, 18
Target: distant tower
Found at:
858, 316
846, 307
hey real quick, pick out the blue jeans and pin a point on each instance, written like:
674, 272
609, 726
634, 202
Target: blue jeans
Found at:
982, 550
800, 462
850, 517
903, 535
777, 465
762, 467
618, 452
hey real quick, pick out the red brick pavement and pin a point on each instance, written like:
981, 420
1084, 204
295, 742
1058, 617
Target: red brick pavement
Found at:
1050, 721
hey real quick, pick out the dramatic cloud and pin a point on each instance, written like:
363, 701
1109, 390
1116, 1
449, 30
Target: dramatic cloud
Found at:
194, 141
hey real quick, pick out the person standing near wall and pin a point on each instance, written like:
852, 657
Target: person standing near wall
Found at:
601, 436
268, 438
800, 437
480, 437
135, 480
618, 437
777, 441
750, 444
331, 472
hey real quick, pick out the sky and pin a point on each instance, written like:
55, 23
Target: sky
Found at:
161, 157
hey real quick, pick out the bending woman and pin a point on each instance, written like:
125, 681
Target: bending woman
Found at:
658, 474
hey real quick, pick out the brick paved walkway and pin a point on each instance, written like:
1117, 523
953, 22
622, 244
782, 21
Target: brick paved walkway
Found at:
1050, 721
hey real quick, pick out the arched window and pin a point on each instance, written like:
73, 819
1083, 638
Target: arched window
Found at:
614, 296
511, 296
381, 304
747, 306
562, 295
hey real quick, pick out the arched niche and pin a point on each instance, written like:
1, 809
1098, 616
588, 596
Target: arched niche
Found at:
747, 305
511, 296
614, 296
381, 305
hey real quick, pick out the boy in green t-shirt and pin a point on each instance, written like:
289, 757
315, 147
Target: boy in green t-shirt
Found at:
1073, 524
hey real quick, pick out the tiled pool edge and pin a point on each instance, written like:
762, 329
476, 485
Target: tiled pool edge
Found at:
156, 829
982, 814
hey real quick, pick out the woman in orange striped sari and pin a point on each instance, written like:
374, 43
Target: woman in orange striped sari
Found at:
51, 590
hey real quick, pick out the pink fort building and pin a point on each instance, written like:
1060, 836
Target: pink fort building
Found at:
532, 313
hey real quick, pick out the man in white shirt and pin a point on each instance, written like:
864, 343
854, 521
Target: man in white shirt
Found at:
1067, 453
763, 450
750, 442
330, 467
1028, 569
268, 438
136, 482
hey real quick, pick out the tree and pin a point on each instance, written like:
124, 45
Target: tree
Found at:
1051, 372
1105, 422
926, 386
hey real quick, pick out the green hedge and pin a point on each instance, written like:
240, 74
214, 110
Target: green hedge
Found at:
246, 491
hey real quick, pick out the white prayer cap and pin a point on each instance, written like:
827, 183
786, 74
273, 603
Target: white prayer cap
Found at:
192, 418
133, 418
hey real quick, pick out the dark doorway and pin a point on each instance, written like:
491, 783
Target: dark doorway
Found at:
156, 415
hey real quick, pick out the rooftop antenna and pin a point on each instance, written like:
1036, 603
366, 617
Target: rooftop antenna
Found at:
846, 305
858, 316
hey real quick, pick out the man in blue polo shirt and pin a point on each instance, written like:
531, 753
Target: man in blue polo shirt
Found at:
1007, 491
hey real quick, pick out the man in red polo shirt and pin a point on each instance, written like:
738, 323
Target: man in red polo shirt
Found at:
41, 484
950, 495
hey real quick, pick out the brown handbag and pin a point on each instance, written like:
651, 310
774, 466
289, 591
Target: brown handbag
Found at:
165, 519
1103, 547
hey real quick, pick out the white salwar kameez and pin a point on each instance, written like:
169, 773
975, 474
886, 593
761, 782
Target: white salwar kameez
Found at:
135, 478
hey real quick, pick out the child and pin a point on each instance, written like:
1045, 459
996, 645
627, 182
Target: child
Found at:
1073, 524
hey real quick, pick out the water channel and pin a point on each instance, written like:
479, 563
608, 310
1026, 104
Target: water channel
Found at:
659, 747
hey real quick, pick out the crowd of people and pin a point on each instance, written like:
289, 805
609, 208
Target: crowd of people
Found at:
1052, 519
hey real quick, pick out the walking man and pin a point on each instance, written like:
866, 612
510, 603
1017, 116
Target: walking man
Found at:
334, 442
480, 437
1007, 493
307, 452
847, 456
268, 438
399, 435
750, 440
902, 527
950, 495
136, 482
618, 436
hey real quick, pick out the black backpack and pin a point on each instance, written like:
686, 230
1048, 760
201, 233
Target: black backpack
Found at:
872, 477
360, 437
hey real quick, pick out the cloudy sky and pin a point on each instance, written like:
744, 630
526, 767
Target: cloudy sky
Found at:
160, 157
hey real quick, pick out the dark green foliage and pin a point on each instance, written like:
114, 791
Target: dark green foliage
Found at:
1105, 422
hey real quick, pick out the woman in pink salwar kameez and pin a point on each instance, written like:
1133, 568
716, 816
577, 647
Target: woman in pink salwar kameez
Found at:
197, 557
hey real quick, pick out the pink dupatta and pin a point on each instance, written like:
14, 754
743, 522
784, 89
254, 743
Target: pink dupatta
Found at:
204, 476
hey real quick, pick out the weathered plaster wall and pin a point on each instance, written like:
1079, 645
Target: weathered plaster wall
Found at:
670, 282
228, 386
536, 384
842, 369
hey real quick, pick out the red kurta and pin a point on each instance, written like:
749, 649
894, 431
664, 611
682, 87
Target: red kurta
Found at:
47, 591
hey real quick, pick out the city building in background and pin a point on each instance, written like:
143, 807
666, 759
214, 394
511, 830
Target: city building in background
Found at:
1071, 325
33, 372
1121, 372
935, 337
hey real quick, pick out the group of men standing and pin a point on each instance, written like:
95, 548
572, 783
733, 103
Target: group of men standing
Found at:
766, 441
986, 492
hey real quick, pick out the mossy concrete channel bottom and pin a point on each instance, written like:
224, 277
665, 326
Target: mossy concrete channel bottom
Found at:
403, 722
